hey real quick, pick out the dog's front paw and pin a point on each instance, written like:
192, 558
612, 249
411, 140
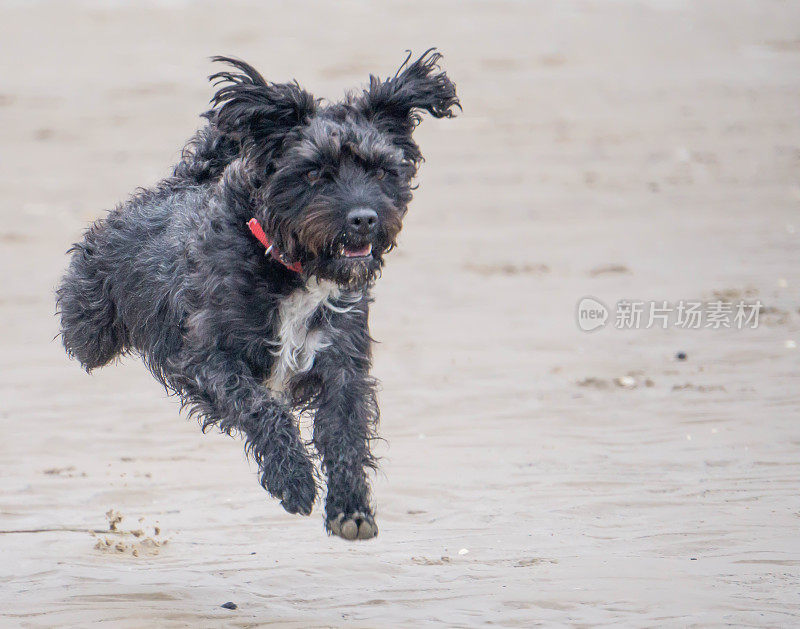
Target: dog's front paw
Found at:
298, 496
291, 480
352, 526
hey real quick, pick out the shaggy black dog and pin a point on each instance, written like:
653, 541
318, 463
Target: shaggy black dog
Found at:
178, 274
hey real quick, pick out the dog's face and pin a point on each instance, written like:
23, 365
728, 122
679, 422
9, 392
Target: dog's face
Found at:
337, 198
331, 184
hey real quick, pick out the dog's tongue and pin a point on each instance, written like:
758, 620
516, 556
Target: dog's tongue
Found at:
358, 253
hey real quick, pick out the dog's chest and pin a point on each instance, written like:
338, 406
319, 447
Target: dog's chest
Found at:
301, 334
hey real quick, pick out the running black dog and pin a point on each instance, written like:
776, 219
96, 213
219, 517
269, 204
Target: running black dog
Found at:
178, 274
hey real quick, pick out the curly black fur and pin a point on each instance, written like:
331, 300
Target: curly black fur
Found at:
174, 275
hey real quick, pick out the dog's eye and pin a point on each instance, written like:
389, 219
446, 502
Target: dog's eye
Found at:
380, 173
313, 176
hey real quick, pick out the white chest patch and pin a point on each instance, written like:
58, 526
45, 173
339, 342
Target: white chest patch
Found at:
296, 344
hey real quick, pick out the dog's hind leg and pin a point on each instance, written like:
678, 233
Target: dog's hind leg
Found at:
222, 390
90, 329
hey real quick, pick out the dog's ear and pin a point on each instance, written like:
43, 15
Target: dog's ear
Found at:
395, 105
257, 113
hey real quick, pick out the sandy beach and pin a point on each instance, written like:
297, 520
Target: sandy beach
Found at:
532, 473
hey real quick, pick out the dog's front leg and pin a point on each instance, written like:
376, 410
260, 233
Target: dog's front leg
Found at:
223, 391
345, 422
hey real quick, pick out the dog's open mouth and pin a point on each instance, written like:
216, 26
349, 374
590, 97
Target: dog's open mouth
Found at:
355, 252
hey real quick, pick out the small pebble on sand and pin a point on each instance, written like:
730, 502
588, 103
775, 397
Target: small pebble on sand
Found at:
680, 356
463, 551
230, 605
626, 382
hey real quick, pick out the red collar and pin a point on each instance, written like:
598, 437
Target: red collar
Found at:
254, 226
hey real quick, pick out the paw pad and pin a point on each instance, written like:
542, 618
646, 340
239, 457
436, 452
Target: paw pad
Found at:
353, 526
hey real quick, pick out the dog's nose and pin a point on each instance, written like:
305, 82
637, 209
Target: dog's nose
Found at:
362, 221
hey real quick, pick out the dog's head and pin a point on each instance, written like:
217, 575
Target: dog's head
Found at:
332, 182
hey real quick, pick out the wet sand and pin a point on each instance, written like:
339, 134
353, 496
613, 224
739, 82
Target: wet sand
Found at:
620, 150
